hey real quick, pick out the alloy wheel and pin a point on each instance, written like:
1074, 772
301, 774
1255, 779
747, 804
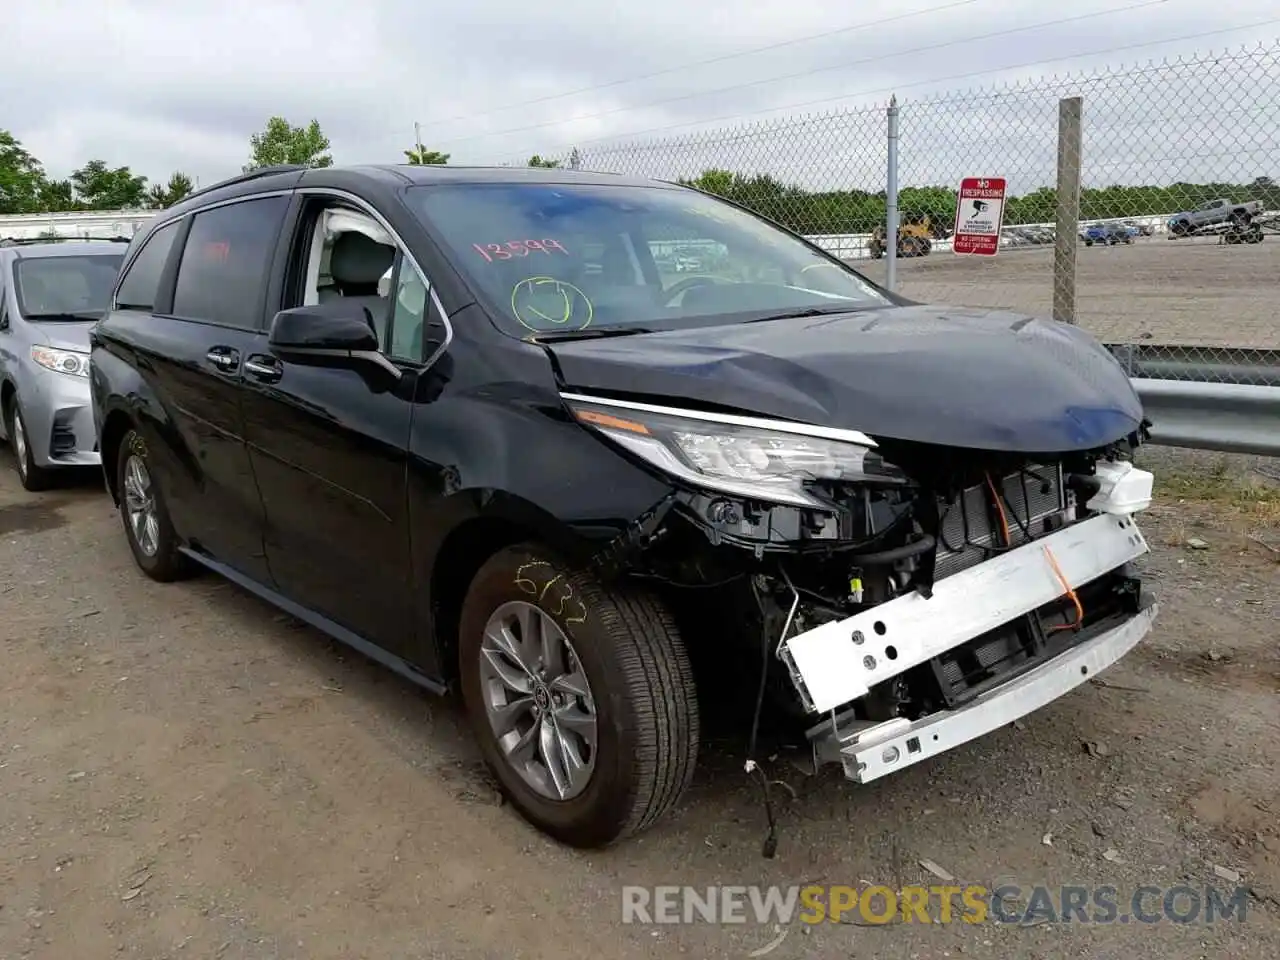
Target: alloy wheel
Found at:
538, 701
140, 506
20, 444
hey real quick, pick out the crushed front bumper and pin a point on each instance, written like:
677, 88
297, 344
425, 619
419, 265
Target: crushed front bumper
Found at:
840, 661
873, 751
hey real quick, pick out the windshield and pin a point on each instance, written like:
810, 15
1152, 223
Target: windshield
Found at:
66, 287
573, 258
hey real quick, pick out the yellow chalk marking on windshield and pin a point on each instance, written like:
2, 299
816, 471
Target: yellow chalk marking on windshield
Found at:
564, 288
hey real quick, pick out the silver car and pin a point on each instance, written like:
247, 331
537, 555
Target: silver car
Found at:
51, 293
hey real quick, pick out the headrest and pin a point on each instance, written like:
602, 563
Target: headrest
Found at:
358, 259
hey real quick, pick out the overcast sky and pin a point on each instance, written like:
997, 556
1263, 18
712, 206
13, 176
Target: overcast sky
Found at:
181, 85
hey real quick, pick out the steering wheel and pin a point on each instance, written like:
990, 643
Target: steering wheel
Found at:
688, 283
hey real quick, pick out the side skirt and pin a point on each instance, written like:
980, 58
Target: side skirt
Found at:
340, 633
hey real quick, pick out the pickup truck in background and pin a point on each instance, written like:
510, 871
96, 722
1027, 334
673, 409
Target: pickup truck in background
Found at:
1213, 212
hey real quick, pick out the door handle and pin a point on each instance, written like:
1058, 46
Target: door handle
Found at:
226, 359
264, 368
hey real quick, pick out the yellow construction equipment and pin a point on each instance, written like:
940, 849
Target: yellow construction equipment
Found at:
915, 237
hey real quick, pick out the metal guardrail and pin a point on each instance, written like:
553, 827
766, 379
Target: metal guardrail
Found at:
1230, 402
1231, 417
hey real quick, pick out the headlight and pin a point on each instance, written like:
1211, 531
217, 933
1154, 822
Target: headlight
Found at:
63, 361
733, 457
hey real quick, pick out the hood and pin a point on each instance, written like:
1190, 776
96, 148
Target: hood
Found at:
957, 377
64, 335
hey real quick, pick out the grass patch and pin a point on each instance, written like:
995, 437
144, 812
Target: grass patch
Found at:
1250, 496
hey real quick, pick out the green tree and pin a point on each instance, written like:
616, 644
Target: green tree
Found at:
167, 194
282, 143
57, 196
21, 176
859, 211
99, 187
422, 157
538, 161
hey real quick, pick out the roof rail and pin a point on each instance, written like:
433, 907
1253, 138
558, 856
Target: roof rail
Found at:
254, 174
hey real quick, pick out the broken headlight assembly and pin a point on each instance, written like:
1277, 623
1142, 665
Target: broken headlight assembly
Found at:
768, 460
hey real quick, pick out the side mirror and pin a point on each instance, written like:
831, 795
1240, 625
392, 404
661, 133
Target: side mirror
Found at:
324, 328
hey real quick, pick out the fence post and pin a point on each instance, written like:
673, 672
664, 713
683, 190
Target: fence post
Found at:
1067, 241
891, 200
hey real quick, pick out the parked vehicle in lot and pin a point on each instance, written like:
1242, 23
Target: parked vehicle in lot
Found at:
1137, 229
51, 293
1213, 212
1106, 233
462, 420
1041, 234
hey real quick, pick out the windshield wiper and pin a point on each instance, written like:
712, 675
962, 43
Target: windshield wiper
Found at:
797, 314
66, 317
592, 334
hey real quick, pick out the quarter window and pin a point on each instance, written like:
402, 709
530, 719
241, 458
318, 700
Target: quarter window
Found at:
141, 281
409, 314
225, 264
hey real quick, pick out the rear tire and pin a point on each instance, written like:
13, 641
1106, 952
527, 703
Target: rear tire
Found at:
621, 648
147, 527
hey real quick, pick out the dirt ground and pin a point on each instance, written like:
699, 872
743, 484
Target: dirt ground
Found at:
1155, 290
185, 772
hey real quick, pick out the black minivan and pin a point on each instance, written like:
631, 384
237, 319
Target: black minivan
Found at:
582, 446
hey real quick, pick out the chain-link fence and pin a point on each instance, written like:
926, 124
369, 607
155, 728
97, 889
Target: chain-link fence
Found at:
1176, 193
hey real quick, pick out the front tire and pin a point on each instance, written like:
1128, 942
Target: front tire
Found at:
33, 476
581, 697
147, 527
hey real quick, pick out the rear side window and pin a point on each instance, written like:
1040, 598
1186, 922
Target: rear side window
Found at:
142, 280
225, 263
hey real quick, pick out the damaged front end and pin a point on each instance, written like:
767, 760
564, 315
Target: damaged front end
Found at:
910, 597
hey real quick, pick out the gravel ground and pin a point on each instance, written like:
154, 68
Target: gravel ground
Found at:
184, 772
1192, 291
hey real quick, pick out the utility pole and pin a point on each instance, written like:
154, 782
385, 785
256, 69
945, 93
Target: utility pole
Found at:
417, 137
1067, 227
891, 200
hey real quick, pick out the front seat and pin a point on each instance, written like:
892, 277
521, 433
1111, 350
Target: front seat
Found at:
356, 263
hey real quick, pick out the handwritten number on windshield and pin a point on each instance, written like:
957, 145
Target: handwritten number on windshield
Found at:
518, 248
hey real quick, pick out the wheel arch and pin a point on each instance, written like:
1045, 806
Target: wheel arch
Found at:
114, 428
8, 390
493, 521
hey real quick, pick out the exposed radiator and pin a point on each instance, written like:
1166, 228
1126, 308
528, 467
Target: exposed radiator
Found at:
969, 523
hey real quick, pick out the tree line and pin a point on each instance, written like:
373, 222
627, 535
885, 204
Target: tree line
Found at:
859, 211
26, 188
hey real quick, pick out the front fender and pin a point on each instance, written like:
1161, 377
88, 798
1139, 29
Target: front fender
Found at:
523, 463
500, 466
